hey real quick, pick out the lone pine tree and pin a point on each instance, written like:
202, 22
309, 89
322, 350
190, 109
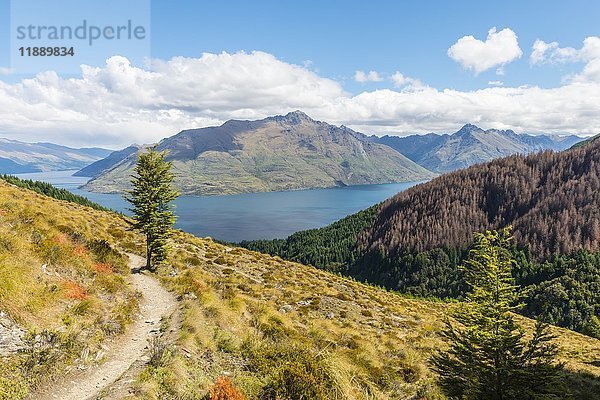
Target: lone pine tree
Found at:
488, 355
151, 198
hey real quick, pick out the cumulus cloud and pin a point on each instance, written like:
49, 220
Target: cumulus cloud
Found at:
499, 49
552, 53
371, 76
119, 103
495, 83
401, 80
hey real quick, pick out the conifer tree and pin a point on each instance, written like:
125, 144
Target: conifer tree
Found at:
489, 357
151, 198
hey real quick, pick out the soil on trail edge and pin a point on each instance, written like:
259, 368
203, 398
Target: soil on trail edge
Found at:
156, 303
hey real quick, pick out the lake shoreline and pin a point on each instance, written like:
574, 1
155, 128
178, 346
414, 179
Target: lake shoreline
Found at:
247, 216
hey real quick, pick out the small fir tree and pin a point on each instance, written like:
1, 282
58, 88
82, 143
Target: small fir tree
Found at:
151, 198
489, 357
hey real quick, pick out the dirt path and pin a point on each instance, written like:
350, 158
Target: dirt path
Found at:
155, 304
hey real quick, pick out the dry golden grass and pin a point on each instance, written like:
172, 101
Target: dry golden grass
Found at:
248, 314
51, 285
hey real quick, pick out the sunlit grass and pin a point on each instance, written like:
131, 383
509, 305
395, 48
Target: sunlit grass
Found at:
61, 281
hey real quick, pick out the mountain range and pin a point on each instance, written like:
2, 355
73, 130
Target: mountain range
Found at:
278, 153
471, 145
285, 152
294, 151
18, 157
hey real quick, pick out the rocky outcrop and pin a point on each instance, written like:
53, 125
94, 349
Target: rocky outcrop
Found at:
11, 336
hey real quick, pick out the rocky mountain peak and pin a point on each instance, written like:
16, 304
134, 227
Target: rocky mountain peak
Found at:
467, 129
293, 118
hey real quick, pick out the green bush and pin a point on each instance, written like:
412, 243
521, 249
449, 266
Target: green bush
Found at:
293, 372
592, 327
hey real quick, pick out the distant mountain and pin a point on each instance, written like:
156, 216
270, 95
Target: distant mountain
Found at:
19, 157
277, 153
109, 162
10, 167
413, 146
471, 145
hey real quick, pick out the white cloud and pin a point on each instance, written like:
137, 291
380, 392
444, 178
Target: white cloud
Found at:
401, 80
118, 103
590, 73
495, 83
543, 53
499, 49
552, 53
5, 71
371, 76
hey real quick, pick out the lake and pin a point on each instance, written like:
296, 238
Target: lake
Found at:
250, 216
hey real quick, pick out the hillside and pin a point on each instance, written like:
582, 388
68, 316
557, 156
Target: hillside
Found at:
551, 199
415, 241
10, 167
277, 153
471, 145
105, 164
19, 157
261, 321
587, 141
64, 289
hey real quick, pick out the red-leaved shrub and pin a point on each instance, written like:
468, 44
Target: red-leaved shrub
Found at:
223, 389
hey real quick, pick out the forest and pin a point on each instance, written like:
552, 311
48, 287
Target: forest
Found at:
415, 241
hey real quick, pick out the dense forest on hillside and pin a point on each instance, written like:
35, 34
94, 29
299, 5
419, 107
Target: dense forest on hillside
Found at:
51, 191
551, 199
415, 241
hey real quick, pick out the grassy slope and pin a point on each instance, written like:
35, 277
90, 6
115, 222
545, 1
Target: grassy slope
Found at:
243, 313
246, 311
51, 191
59, 283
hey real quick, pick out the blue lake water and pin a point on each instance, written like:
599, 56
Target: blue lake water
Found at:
248, 216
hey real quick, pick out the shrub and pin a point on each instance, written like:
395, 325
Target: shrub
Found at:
592, 327
223, 389
160, 352
296, 381
103, 268
74, 291
294, 372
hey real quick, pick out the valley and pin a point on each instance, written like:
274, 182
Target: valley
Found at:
312, 201
242, 312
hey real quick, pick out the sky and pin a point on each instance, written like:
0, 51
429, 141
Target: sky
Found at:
380, 67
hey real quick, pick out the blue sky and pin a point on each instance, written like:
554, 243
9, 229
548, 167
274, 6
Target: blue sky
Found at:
433, 66
340, 37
